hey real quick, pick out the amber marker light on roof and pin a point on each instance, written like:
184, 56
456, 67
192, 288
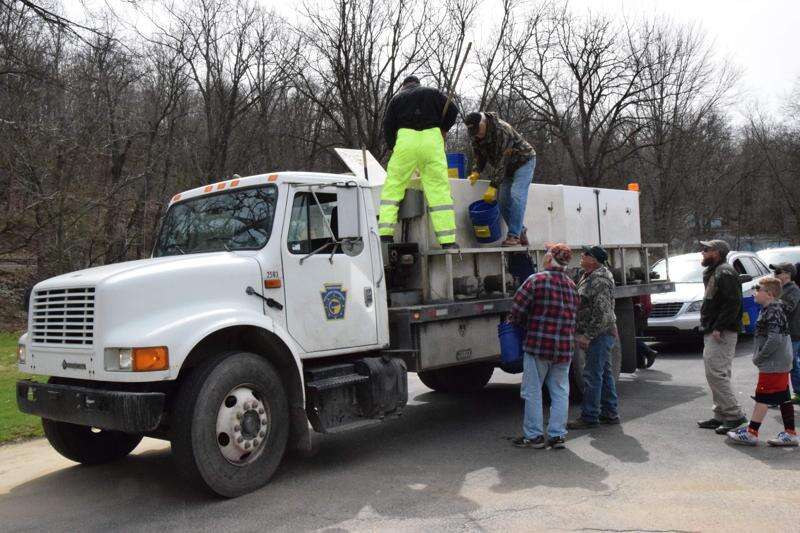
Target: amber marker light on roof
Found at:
272, 177
633, 186
150, 359
208, 188
176, 197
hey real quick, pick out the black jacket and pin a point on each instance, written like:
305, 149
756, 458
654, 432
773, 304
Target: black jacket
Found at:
722, 304
417, 108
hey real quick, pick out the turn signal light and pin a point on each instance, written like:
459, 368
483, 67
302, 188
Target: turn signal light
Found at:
150, 359
272, 283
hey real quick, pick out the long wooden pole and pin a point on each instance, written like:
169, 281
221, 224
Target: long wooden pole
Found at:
455, 80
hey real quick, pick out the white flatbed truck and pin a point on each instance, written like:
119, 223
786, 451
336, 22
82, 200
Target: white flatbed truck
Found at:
270, 311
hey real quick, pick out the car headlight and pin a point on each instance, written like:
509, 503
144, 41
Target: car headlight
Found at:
694, 307
22, 354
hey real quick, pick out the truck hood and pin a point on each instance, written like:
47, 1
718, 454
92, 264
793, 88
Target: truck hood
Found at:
684, 292
91, 277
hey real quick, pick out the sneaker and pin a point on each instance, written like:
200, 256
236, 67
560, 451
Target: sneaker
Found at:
610, 420
580, 423
728, 425
742, 436
510, 241
523, 442
556, 443
796, 398
784, 439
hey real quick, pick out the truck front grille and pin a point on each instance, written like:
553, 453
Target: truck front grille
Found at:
63, 316
666, 310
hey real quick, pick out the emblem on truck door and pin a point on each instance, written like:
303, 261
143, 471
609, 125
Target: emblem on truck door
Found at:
334, 298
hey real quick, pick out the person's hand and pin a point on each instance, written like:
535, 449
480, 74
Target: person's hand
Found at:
717, 335
473, 177
490, 196
583, 342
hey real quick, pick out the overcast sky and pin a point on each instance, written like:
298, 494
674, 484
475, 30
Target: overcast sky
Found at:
762, 38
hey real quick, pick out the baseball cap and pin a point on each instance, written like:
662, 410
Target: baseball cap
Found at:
598, 252
784, 267
472, 121
718, 245
560, 252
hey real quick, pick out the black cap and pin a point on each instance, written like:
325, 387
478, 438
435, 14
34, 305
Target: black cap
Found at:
472, 121
597, 252
410, 79
784, 267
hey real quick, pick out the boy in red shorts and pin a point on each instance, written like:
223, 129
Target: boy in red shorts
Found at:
773, 357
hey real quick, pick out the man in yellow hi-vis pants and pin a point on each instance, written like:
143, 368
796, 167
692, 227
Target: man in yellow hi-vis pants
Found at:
414, 126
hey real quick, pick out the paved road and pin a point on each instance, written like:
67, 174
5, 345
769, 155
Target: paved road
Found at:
447, 466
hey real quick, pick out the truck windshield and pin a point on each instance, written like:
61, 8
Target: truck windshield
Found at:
233, 220
681, 270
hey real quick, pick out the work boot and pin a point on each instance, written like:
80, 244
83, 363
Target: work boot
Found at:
523, 237
711, 423
387, 238
510, 241
580, 423
450, 246
728, 425
610, 420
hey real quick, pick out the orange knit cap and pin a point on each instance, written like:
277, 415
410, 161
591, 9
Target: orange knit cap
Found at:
560, 252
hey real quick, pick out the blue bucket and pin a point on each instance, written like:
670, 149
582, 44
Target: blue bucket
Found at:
485, 221
511, 352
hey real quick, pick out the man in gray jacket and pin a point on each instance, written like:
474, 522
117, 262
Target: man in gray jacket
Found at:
773, 357
790, 296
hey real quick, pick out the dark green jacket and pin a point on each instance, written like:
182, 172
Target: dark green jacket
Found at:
502, 147
722, 304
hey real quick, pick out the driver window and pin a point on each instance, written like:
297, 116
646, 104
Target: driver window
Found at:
308, 230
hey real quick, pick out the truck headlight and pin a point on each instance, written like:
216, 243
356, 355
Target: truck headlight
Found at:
22, 354
150, 359
694, 307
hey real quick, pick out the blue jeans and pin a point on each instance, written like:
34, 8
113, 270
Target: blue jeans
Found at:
537, 372
796, 367
599, 389
512, 195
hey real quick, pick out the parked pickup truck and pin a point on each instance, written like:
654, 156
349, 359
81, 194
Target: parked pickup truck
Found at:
270, 311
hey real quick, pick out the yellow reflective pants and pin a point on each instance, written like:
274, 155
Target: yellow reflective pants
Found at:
423, 150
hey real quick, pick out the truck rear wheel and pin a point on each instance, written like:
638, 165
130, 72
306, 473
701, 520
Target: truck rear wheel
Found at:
465, 378
86, 445
231, 424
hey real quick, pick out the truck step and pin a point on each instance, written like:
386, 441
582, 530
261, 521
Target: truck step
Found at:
335, 382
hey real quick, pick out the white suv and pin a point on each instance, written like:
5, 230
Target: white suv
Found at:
676, 314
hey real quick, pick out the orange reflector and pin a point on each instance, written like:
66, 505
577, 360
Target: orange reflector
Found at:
220, 186
272, 177
272, 283
150, 359
208, 188
633, 186
176, 197
234, 183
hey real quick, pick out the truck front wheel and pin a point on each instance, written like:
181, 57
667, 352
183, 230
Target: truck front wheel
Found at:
86, 445
231, 424
465, 378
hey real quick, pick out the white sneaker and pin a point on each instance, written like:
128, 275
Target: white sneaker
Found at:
784, 439
742, 436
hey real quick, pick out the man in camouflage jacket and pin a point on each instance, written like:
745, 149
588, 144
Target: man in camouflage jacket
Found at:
513, 159
596, 332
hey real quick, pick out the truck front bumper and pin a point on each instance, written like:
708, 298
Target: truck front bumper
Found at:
131, 412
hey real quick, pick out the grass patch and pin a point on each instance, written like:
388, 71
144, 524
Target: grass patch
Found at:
13, 424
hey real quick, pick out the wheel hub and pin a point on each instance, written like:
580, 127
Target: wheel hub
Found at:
243, 424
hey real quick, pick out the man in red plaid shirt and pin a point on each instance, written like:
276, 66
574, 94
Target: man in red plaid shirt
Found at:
545, 307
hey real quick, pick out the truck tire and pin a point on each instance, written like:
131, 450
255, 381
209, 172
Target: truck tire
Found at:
231, 424
459, 379
576, 371
86, 445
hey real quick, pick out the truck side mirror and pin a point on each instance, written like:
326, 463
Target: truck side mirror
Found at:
348, 220
745, 278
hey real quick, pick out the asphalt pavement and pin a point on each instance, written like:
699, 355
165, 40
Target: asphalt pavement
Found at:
447, 465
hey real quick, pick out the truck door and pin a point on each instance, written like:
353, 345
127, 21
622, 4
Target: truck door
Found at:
330, 291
